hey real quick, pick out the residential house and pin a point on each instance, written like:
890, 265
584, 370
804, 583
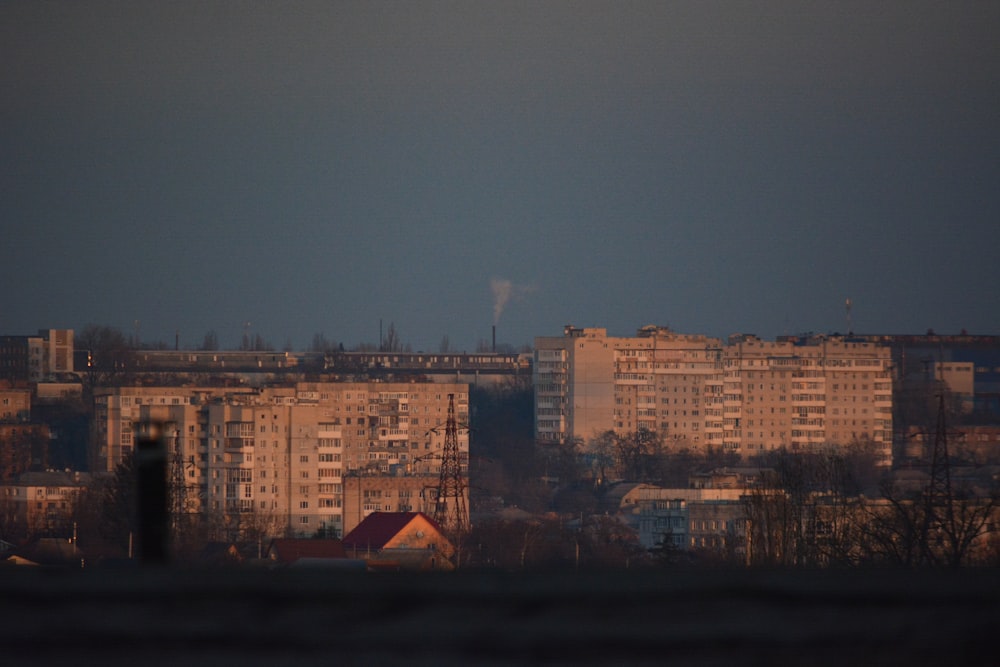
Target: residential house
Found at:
400, 540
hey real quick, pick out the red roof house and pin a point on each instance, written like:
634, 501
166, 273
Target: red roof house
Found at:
406, 540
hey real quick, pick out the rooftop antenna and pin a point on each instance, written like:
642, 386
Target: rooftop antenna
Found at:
850, 328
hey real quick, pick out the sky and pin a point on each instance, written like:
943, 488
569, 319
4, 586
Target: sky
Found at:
446, 167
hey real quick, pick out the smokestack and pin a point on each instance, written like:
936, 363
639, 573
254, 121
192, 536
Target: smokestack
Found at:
494, 339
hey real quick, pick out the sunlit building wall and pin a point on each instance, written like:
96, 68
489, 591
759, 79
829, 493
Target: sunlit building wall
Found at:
748, 396
801, 393
587, 383
274, 459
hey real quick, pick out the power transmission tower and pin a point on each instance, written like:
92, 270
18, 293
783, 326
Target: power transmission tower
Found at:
178, 488
451, 512
939, 519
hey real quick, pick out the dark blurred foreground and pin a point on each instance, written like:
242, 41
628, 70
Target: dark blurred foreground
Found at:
151, 617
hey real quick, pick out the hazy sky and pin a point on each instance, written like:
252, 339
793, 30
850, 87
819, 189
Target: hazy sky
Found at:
322, 167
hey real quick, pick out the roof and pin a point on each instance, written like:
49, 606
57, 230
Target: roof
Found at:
375, 531
50, 551
52, 478
287, 550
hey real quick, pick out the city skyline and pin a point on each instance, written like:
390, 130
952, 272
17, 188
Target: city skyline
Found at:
714, 168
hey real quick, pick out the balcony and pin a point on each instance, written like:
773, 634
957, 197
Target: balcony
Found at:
239, 443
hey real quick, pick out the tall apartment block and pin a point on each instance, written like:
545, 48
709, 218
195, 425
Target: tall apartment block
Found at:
280, 454
587, 382
747, 395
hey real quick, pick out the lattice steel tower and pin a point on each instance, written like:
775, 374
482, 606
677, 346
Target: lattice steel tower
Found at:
451, 512
939, 516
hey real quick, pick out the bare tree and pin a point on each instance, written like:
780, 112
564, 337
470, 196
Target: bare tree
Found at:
391, 342
601, 449
321, 344
635, 451
119, 504
210, 342
111, 356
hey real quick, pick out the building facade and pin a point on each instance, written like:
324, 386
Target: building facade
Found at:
747, 396
36, 358
366, 492
587, 382
15, 403
42, 502
275, 458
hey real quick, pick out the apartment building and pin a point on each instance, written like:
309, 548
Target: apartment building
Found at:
799, 393
42, 502
15, 403
747, 395
277, 456
587, 382
367, 492
36, 358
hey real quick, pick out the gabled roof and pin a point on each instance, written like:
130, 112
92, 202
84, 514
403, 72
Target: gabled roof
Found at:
375, 531
291, 550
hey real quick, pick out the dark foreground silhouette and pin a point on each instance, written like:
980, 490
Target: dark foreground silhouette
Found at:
162, 616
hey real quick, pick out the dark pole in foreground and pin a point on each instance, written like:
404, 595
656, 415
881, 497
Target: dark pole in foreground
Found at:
151, 493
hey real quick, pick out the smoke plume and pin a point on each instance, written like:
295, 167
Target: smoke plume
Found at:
503, 291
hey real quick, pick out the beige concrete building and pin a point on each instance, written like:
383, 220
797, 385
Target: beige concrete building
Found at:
36, 358
15, 403
587, 382
51, 353
747, 396
803, 393
365, 493
275, 457
42, 502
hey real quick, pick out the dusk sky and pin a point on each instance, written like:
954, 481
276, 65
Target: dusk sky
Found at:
321, 167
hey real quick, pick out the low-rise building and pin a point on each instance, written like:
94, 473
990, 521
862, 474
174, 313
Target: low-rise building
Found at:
400, 540
42, 503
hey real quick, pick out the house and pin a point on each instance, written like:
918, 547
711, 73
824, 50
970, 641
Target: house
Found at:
301, 551
400, 541
49, 552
